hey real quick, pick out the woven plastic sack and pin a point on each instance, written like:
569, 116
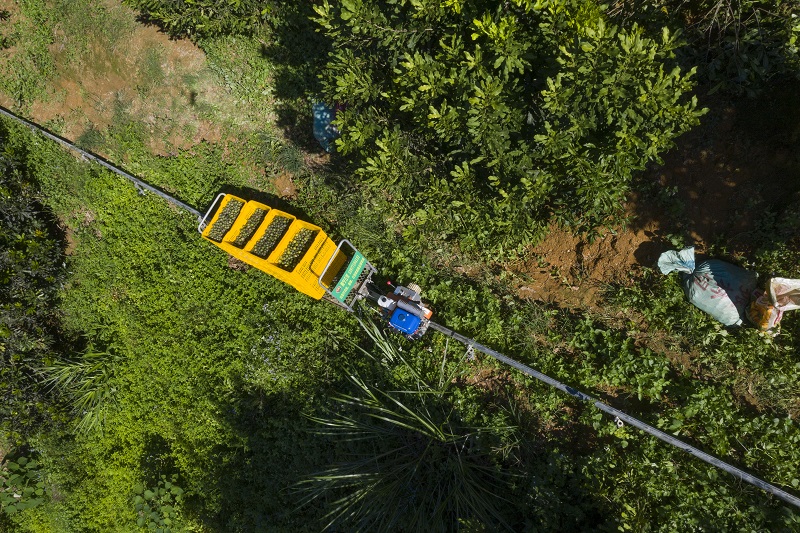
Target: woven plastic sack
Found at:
720, 289
766, 310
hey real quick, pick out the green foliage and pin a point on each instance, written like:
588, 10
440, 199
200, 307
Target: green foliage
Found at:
203, 18
737, 46
748, 378
749, 42
21, 486
87, 383
31, 272
240, 67
411, 462
620, 363
604, 102
158, 507
480, 122
217, 364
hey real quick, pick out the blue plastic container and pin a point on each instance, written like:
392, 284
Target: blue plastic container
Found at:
404, 321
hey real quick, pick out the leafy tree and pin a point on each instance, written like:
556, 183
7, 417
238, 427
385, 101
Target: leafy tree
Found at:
31, 273
203, 18
737, 46
481, 121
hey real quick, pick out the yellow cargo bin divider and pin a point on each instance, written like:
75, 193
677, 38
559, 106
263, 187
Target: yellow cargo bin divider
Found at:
321, 261
305, 275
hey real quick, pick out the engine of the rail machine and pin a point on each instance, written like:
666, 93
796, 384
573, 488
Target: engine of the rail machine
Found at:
405, 311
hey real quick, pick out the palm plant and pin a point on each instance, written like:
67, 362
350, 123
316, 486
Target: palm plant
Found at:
87, 384
410, 462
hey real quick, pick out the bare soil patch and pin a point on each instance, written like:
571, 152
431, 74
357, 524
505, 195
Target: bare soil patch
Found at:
285, 186
721, 184
160, 82
121, 70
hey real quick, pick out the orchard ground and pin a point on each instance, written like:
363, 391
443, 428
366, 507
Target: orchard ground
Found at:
713, 190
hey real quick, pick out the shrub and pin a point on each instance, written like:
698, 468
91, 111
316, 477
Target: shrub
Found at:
737, 46
31, 271
203, 18
481, 122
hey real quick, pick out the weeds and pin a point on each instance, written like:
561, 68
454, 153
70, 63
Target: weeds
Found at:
413, 464
24, 75
151, 72
87, 382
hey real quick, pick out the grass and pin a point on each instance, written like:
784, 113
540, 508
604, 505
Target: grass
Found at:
25, 72
217, 365
151, 71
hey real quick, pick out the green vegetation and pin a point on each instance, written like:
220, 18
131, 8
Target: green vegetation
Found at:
32, 65
20, 487
477, 120
158, 508
31, 273
203, 17
87, 383
408, 462
738, 46
148, 384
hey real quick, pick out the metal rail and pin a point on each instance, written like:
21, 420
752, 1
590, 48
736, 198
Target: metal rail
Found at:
620, 415
97, 159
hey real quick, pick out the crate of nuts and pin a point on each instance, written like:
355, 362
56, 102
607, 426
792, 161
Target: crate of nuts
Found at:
270, 240
270, 234
298, 246
253, 214
224, 218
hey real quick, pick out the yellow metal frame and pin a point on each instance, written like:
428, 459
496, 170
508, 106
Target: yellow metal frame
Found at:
305, 277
